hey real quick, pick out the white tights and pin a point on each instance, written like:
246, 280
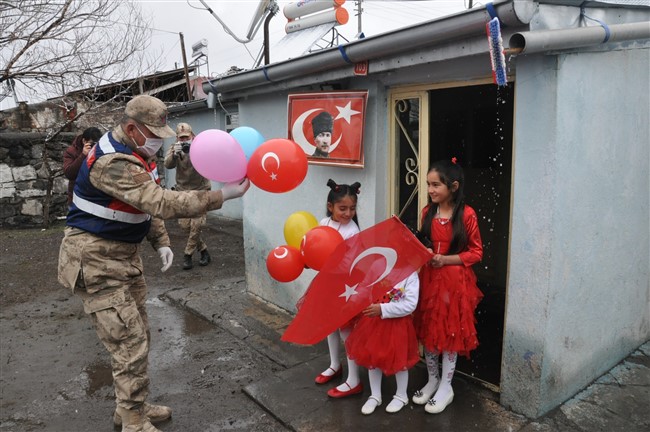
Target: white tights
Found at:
448, 369
334, 344
375, 376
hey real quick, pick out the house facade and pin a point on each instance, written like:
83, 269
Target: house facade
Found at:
557, 166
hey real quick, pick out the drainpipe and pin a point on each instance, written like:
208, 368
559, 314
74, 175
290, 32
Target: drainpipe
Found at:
511, 13
552, 40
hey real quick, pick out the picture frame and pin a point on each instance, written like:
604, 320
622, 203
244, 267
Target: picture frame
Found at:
329, 126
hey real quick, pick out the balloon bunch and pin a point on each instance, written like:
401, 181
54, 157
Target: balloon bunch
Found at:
277, 165
308, 245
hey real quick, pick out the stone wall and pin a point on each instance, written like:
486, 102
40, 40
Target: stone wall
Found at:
24, 178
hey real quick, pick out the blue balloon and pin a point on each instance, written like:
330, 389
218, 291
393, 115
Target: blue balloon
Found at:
248, 138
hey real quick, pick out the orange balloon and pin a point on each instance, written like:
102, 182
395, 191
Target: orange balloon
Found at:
284, 263
318, 244
279, 165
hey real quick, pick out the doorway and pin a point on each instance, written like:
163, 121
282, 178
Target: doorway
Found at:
474, 124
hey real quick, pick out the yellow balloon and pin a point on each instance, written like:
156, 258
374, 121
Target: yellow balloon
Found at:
297, 225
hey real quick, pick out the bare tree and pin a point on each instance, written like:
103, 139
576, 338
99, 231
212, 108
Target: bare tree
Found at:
55, 46
50, 48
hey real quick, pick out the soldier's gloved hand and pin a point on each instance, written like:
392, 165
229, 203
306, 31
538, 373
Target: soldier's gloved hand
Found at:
235, 189
178, 148
167, 256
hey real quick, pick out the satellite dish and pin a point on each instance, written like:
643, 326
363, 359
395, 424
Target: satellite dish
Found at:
262, 10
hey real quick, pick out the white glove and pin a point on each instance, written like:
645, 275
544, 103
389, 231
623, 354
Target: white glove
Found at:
235, 189
166, 256
178, 148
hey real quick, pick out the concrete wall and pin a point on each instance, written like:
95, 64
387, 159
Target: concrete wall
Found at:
578, 291
201, 120
266, 212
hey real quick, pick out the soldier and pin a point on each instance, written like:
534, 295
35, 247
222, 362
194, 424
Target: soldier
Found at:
187, 178
116, 204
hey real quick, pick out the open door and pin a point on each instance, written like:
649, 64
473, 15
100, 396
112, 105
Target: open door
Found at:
474, 124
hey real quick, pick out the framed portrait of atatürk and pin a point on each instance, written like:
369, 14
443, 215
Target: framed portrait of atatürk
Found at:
329, 126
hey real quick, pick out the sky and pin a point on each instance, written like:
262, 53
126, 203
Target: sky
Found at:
172, 17
169, 18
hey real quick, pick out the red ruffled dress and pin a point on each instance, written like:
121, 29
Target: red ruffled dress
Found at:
389, 342
444, 318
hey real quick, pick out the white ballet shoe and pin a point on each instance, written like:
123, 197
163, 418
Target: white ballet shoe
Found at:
370, 405
396, 404
437, 406
421, 398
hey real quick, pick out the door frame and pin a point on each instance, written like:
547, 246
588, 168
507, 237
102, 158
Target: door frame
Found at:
421, 92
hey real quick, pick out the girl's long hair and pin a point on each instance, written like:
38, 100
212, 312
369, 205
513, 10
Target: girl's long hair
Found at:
449, 172
340, 191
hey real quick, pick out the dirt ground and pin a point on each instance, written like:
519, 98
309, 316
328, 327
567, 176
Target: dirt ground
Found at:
55, 374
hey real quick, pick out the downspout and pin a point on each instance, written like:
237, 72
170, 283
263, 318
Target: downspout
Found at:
552, 40
512, 13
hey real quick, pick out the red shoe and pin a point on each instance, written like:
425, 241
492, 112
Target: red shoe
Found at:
322, 379
335, 393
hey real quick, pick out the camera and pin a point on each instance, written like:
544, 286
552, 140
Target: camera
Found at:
185, 146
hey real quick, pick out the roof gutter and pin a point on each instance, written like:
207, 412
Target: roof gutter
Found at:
510, 13
553, 40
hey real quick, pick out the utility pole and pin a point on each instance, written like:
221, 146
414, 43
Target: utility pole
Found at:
359, 10
187, 76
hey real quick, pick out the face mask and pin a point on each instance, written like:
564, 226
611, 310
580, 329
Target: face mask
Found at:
150, 147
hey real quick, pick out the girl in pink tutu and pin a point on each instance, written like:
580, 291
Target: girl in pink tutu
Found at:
444, 318
384, 341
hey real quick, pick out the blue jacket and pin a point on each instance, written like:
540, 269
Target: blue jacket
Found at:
103, 215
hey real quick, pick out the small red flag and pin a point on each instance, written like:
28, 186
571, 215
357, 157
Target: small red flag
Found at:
359, 271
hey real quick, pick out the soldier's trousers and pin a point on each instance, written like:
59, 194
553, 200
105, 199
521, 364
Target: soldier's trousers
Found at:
194, 226
122, 325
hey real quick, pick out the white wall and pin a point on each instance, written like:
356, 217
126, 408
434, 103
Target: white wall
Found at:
578, 292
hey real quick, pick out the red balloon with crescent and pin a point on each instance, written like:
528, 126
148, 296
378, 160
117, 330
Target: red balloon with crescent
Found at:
279, 165
285, 263
318, 244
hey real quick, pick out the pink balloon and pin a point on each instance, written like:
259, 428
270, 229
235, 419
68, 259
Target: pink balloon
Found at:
217, 156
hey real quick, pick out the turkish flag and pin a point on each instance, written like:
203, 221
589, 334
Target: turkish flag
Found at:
359, 272
347, 111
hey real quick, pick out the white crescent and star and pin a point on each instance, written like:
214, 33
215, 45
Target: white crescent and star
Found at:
282, 255
271, 155
389, 254
298, 135
346, 112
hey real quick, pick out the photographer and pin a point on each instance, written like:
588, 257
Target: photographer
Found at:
75, 154
187, 178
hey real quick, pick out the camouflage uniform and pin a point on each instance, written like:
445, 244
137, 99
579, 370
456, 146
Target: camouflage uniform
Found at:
187, 178
108, 274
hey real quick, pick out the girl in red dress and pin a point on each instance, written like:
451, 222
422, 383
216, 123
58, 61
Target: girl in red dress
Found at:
384, 341
444, 318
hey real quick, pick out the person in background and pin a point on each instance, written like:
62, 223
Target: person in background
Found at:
117, 203
322, 126
187, 178
76, 152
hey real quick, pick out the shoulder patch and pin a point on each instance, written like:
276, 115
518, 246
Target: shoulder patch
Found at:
138, 174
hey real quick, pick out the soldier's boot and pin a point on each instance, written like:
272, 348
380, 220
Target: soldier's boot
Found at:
205, 258
187, 262
155, 414
134, 420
